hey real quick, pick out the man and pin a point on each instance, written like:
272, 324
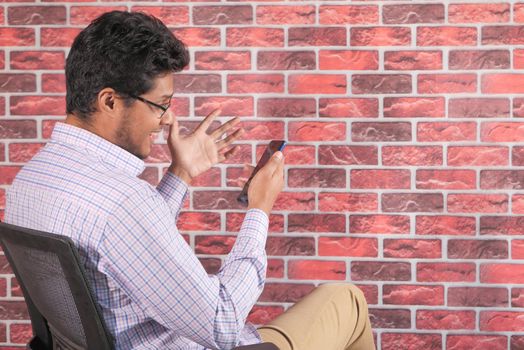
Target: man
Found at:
151, 288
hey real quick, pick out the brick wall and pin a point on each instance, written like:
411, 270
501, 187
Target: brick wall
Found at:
405, 169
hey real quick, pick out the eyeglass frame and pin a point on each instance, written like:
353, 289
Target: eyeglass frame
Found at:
151, 103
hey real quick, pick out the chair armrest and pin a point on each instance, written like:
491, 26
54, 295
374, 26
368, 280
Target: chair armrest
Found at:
261, 346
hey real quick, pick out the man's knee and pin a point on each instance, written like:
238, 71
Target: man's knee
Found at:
346, 289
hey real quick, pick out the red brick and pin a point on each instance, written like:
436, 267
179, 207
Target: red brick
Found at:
348, 59
476, 342
411, 155
23, 152
83, 15
412, 248
517, 342
2, 59
286, 60
410, 14
370, 293
7, 174
317, 36
446, 131
262, 130
211, 265
241, 106
316, 269
502, 321
478, 13
285, 14
502, 179
517, 297
347, 202
197, 83
2, 16
502, 83
275, 268
518, 12
517, 204
290, 246
286, 107
414, 107
285, 292
479, 107
53, 83
150, 175
413, 294
380, 83
348, 107
47, 128
295, 201
477, 296
32, 60
216, 245
195, 221
37, 105
347, 246
411, 341
2, 206
518, 57
17, 36
390, 318
36, 15
386, 224
17, 129
477, 249
479, 59
380, 36
348, 14
517, 157
380, 271
445, 225
216, 200
502, 225
446, 179
222, 15
2, 106
170, 15
386, 179
223, 60
413, 60
17, 82
58, 37
446, 83
446, 36
412, 202
263, 314
256, 37
477, 203
380, 131
316, 131
234, 222
194, 36
316, 223
347, 155
446, 272
255, 83
445, 319
322, 178
502, 273
295, 155
13, 310
317, 84
20, 333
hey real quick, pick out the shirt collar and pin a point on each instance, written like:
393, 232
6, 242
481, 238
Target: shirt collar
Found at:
93, 144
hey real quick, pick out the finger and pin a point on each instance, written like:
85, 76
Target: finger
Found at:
216, 134
279, 171
206, 123
230, 139
173, 131
273, 163
230, 153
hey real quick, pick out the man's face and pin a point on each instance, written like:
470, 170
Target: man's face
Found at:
141, 122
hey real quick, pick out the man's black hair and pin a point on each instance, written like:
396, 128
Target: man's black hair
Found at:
125, 51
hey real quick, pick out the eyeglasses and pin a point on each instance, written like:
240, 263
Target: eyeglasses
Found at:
163, 108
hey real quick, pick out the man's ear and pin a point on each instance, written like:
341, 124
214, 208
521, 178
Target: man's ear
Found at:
108, 102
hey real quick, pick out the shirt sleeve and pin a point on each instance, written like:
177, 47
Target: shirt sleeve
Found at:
147, 257
174, 191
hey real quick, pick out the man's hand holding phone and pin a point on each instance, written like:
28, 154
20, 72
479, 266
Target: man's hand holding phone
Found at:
267, 181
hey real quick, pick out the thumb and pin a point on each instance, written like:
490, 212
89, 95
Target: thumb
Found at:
275, 161
173, 131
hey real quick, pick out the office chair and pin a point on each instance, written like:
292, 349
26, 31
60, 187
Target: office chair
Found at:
63, 312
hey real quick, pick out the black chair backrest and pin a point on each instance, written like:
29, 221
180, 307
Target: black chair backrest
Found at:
63, 312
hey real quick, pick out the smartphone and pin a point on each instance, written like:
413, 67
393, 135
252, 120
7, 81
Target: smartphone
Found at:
274, 146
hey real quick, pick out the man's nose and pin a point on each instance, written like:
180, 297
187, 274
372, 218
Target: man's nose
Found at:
167, 118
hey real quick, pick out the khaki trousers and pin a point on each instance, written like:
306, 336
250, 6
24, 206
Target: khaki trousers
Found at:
331, 317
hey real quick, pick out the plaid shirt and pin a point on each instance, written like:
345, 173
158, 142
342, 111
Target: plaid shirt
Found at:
152, 289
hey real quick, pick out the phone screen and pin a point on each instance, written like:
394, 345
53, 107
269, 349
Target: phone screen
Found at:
275, 145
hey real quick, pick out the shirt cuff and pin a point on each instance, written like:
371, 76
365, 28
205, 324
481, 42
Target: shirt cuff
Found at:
174, 191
